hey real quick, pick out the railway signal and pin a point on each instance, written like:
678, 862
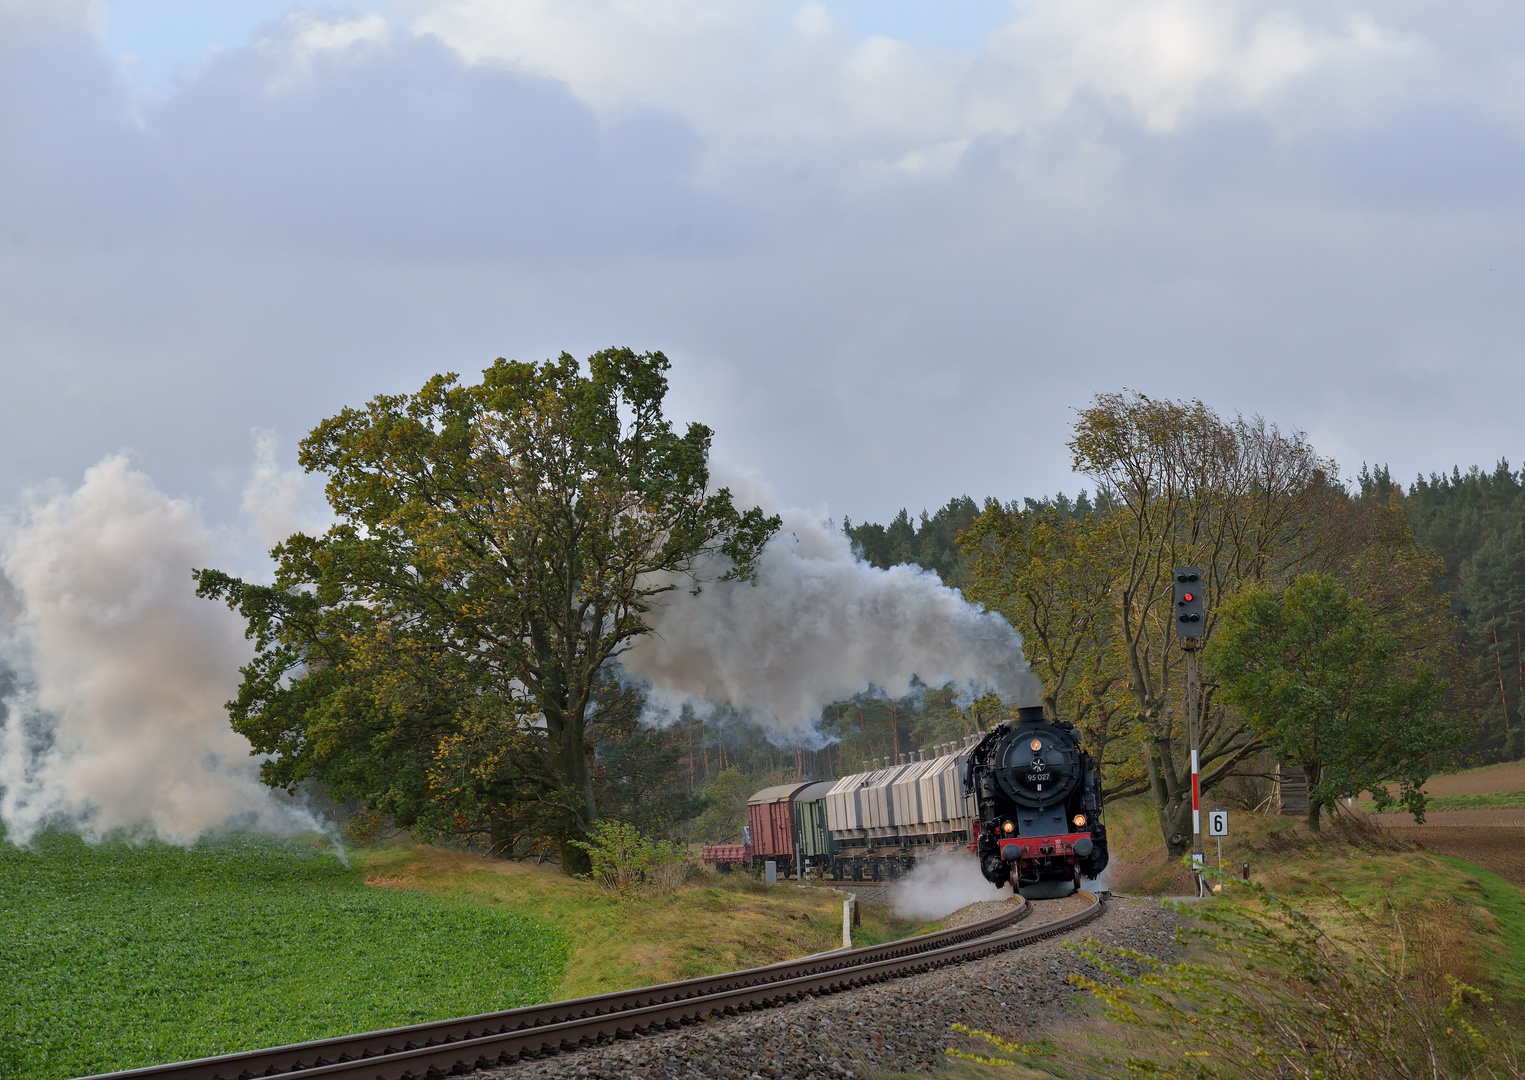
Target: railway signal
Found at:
1189, 612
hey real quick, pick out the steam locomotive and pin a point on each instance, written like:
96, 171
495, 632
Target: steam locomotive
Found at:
1030, 813
1039, 806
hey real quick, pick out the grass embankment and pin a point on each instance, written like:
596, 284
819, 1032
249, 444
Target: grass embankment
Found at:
720, 922
122, 955
1404, 926
1345, 859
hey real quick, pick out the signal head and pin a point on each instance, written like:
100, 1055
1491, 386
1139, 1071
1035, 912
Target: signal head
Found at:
1188, 601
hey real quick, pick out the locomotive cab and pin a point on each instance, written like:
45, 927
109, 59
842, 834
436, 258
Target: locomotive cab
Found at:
1040, 807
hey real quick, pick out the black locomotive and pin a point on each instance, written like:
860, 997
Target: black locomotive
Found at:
1039, 806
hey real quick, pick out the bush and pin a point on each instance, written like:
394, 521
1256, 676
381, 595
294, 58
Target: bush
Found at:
625, 863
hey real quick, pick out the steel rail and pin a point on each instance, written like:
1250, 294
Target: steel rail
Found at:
490, 1039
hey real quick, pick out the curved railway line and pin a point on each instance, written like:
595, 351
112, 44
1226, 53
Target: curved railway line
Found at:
453, 1047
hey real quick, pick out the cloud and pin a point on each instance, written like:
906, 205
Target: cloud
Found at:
307, 39
742, 74
885, 271
28, 19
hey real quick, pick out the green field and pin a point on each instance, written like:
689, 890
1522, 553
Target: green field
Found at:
133, 954
1482, 801
1476, 802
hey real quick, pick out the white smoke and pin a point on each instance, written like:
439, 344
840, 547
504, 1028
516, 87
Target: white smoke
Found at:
113, 710
941, 884
819, 625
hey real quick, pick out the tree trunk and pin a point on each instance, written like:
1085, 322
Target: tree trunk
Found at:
1519, 686
500, 836
1498, 658
1175, 823
1312, 774
571, 763
1172, 802
1313, 815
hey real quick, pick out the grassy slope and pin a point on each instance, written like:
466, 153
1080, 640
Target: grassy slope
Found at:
1475, 920
1284, 856
124, 955
719, 924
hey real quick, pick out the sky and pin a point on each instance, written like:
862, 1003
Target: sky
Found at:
889, 246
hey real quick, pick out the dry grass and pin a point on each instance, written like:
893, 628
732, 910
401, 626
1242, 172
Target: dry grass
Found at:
717, 923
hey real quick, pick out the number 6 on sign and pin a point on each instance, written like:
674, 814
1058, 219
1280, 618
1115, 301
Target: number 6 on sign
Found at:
1217, 823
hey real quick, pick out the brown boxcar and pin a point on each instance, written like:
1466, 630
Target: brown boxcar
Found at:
770, 813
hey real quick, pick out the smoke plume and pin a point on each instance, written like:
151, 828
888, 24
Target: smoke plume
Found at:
941, 884
820, 625
113, 673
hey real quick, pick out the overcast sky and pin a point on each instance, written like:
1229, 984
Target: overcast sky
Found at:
890, 246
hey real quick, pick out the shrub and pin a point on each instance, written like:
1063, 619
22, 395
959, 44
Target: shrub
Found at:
624, 862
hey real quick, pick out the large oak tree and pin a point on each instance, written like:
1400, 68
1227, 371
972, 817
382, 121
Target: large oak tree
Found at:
438, 651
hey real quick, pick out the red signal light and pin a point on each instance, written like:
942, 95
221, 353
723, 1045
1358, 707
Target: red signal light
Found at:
1188, 597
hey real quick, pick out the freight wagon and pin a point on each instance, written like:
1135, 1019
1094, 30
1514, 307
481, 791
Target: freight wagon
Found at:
869, 826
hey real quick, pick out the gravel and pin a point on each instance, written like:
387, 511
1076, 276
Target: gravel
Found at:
901, 1025
987, 909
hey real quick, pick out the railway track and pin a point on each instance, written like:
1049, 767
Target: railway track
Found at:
493, 1039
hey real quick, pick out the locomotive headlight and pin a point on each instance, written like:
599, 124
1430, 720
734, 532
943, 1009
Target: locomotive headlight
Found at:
1080, 820
1008, 828
1035, 745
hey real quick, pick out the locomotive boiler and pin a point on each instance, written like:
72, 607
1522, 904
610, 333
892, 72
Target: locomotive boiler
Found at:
1039, 799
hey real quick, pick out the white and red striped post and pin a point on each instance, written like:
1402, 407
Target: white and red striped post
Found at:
1198, 859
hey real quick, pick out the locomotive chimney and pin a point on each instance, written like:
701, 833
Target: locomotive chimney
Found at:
1030, 714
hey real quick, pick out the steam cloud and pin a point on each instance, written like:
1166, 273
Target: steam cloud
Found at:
820, 625
113, 673
941, 884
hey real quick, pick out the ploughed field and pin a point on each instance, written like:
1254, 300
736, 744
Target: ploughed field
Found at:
134, 954
1497, 848
1488, 798
1490, 780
